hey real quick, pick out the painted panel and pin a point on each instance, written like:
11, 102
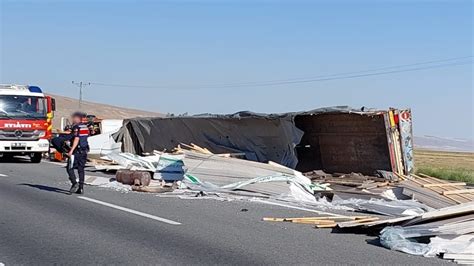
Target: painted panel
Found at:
406, 134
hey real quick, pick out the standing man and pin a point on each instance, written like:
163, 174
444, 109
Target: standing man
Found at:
78, 153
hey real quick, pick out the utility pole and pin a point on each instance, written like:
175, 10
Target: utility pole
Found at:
80, 85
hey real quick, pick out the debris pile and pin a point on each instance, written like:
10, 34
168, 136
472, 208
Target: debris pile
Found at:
435, 192
448, 232
199, 172
416, 214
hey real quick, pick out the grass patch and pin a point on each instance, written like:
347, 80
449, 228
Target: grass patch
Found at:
454, 174
455, 166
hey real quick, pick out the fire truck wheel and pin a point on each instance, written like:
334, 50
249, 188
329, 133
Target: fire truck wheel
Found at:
36, 157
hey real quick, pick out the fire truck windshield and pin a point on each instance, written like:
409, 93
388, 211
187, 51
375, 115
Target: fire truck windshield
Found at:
19, 106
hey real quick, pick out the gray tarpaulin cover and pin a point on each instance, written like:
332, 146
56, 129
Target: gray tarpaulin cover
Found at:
261, 137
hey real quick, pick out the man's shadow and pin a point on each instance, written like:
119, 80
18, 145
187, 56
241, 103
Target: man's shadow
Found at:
46, 188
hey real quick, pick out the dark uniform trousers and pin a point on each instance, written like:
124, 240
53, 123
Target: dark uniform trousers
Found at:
80, 159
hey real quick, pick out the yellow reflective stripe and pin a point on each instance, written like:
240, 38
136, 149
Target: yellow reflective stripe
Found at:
392, 118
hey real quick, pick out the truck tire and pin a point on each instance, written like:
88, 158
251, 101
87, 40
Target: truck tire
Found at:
7, 157
36, 158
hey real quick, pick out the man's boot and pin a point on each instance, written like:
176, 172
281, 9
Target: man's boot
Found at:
81, 189
74, 188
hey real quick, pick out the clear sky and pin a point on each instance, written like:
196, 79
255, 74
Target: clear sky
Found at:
182, 51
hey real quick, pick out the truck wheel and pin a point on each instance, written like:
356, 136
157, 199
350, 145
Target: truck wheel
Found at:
7, 157
36, 158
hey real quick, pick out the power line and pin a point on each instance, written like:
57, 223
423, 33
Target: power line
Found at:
344, 75
358, 76
354, 72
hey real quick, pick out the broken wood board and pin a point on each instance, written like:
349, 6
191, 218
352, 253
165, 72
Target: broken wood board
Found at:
459, 191
444, 213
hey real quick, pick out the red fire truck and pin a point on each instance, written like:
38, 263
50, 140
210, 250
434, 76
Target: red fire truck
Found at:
25, 121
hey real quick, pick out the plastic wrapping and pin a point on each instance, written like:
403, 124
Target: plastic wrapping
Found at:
400, 239
394, 238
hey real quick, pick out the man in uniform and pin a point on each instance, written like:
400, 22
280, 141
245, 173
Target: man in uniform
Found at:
78, 152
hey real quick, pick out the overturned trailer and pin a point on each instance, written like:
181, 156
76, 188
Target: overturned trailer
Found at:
335, 139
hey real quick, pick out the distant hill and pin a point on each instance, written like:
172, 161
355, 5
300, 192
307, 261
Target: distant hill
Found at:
444, 144
65, 106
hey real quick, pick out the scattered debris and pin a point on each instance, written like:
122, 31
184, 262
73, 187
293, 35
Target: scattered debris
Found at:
435, 192
450, 232
117, 186
251, 157
324, 221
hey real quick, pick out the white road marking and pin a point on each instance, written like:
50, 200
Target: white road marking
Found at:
2, 175
55, 163
164, 220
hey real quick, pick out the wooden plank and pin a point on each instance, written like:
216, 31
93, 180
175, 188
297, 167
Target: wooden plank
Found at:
326, 225
459, 191
332, 218
454, 185
370, 219
459, 256
329, 218
401, 176
269, 219
444, 184
322, 222
344, 183
357, 222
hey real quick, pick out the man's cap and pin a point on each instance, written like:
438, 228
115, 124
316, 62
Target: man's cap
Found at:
78, 114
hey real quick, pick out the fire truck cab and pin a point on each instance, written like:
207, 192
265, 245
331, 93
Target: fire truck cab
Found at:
25, 121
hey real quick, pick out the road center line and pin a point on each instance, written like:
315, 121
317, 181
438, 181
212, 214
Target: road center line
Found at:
146, 215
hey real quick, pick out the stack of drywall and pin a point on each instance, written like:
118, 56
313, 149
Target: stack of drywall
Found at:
214, 173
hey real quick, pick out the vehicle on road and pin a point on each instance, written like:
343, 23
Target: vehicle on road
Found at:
25, 121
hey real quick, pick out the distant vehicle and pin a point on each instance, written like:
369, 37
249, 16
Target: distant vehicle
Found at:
25, 121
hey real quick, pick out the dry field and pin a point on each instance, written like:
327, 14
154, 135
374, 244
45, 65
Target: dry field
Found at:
457, 166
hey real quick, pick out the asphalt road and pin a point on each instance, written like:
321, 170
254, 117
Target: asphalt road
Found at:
40, 224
